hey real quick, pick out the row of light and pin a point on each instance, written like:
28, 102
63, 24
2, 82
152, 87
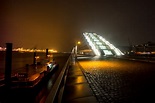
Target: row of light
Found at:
28, 50
2, 49
100, 45
95, 50
116, 50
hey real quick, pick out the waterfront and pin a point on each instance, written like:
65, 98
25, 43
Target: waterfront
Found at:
40, 91
112, 80
19, 60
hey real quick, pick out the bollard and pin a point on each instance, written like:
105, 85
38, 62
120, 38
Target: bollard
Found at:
8, 65
34, 58
46, 53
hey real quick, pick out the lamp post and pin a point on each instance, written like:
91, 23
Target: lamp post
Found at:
76, 47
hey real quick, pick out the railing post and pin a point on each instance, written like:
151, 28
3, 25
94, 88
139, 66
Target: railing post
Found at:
8, 65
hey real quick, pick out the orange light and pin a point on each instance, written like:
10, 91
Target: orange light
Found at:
37, 57
78, 42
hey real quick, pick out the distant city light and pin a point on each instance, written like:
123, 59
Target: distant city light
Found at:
2, 49
29, 50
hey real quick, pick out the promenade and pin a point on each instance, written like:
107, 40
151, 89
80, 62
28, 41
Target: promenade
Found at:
94, 80
115, 80
77, 89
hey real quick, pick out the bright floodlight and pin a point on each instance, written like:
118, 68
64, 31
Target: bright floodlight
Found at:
100, 44
92, 45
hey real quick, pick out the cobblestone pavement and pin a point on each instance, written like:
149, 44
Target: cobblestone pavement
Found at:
120, 81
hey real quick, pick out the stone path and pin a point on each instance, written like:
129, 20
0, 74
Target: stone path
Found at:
119, 81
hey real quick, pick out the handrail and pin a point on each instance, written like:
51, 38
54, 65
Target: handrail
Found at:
56, 87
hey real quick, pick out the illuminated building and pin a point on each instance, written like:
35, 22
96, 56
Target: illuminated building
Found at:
101, 46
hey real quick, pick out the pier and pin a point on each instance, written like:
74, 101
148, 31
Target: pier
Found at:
81, 76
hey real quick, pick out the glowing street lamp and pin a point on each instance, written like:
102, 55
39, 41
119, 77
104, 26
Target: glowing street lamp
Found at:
78, 42
76, 47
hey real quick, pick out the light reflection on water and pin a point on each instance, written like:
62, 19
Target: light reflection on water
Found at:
19, 60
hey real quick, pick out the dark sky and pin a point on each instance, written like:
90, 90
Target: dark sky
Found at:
58, 24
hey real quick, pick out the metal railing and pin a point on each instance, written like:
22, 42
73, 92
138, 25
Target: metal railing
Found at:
56, 93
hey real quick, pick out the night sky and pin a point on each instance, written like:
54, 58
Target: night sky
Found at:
58, 24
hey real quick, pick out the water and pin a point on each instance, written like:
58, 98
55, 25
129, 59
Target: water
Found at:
19, 60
